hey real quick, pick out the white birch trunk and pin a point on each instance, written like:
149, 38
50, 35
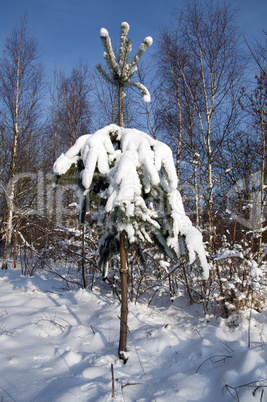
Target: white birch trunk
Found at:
262, 181
11, 195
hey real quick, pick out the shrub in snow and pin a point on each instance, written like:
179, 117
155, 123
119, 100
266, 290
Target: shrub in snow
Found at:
130, 179
241, 278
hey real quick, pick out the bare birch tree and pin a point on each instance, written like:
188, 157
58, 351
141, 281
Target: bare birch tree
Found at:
75, 113
256, 105
202, 58
20, 89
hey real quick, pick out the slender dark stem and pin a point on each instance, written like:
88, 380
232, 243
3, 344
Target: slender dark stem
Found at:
124, 298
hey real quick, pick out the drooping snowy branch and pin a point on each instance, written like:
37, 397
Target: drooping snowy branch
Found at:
65, 161
144, 91
137, 171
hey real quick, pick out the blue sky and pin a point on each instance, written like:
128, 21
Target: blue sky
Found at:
68, 30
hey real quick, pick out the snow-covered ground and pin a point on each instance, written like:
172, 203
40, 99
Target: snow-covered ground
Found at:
58, 345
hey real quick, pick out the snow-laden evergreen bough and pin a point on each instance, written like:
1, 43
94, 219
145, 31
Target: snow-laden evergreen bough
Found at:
129, 179
122, 70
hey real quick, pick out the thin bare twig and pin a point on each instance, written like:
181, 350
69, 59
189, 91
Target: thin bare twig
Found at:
7, 393
112, 376
222, 357
141, 364
256, 384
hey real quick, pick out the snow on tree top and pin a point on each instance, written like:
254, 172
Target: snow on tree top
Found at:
125, 25
103, 33
148, 41
136, 170
122, 70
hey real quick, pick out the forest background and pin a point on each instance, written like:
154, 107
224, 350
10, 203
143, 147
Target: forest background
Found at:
208, 90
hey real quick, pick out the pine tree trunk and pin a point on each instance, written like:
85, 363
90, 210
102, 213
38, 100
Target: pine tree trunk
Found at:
120, 106
124, 299
83, 254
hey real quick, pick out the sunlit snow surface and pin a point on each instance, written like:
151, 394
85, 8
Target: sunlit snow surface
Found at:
58, 345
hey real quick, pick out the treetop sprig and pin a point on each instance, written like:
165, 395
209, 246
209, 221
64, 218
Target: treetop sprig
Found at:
122, 70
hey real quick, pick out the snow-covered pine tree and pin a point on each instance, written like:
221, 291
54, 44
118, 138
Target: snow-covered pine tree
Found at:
130, 180
120, 74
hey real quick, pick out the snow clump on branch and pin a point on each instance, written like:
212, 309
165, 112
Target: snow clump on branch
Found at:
138, 189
